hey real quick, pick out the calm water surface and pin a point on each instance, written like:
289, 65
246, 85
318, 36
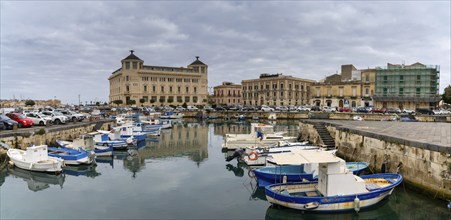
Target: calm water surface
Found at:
180, 175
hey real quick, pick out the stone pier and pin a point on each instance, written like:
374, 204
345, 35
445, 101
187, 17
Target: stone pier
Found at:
420, 151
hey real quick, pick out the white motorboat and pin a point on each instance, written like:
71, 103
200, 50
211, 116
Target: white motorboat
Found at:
35, 158
261, 135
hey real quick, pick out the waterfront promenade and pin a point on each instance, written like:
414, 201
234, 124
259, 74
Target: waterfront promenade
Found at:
428, 133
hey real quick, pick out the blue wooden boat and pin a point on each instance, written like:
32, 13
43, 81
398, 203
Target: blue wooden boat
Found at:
86, 143
296, 173
336, 189
71, 156
102, 139
370, 190
128, 131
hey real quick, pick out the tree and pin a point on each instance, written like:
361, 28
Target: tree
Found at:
29, 103
152, 101
118, 102
142, 101
131, 102
106, 103
97, 103
184, 105
447, 95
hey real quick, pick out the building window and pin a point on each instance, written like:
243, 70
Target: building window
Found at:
145, 88
418, 91
281, 85
146, 98
418, 77
385, 78
170, 88
401, 91
195, 89
170, 79
366, 91
384, 90
162, 88
281, 94
162, 98
354, 91
202, 69
186, 98
126, 78
154, 89
318, 91
187, 89
179, 89
127, 88
127, 65
340, 91
179, 99
135, 65
367, 78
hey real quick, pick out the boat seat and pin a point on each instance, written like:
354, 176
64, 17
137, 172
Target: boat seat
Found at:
311, 193
372, 186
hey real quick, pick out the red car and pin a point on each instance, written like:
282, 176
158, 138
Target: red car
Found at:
344, 109
380, 110
22, 120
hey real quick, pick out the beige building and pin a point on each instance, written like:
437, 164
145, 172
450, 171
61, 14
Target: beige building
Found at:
227, 94
276, 89
351, 88
159, 85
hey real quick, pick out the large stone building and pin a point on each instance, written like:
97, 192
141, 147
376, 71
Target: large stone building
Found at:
276, 89
227, 94
407, 86
351, 88
159, 85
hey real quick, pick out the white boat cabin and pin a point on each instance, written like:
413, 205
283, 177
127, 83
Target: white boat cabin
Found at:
35, 154
333, 177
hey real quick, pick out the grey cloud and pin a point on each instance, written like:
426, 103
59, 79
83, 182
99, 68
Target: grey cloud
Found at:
74, 46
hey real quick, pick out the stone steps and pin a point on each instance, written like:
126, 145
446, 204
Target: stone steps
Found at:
324, 134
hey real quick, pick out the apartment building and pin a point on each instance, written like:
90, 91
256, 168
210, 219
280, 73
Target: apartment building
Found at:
407, 86
276, 89
136, 83
227, 94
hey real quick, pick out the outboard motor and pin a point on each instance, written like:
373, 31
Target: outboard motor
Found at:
237, 154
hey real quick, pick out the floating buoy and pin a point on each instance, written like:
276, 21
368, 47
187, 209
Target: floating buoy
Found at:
357, 204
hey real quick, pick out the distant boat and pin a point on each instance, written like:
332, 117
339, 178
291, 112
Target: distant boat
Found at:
35, 158
86, 142
337, 189
71, 156
172, 115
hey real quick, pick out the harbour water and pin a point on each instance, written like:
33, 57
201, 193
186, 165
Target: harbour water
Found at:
180, 175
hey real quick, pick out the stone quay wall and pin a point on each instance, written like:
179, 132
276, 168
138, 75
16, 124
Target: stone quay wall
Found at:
425, 167
47, 135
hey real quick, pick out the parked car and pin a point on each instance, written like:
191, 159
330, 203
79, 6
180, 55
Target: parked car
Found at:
266, 108
191, 108
57, 117
220, 108
393, 110
329, 109
292, 108
379, 110
21, 119
233, 108
303, 108
345, 109
39, 119
362, 110
180, 109
315, 108
7, 122
408, 111
73, 116
209, 108
424, 111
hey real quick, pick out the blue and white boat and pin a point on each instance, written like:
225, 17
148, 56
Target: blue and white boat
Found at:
102, 139
127, 131
337, 188
296, 173
86, 143
71, 156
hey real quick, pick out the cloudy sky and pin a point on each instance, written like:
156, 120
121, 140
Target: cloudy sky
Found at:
65, 49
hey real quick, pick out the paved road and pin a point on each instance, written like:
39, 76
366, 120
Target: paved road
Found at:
436, 133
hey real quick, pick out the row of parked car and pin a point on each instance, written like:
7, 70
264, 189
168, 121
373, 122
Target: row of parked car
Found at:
40, 117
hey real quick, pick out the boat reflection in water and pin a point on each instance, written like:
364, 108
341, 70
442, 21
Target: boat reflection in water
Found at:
37, 181
381, 210
82, 170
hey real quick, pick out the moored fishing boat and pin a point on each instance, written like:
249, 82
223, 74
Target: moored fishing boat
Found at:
337, 188
35, 158
72, 156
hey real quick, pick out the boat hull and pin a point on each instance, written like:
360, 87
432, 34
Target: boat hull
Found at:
52, 164
330, 203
